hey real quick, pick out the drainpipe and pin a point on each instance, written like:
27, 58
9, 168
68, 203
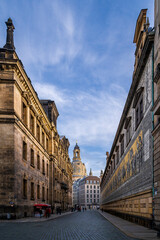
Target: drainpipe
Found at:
152, 135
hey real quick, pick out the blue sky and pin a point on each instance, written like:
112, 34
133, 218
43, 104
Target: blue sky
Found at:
79, 53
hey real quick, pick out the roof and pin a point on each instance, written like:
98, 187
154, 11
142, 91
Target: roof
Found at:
92, 178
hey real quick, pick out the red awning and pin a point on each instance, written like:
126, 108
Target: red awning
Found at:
41, 205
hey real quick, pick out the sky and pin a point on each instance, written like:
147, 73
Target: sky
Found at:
79, 53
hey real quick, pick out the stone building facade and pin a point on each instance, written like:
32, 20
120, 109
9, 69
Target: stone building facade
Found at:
34, 161
156, 117
89, 192
127, 182
79, 169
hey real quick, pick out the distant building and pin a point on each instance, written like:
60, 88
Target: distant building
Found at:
79, 169
75, 193
89, 192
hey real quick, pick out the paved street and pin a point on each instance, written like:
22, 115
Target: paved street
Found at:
89, 225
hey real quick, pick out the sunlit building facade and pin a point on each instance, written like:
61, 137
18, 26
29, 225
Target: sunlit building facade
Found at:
34, 163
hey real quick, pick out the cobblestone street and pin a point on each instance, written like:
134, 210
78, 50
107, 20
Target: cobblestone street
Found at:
88, 225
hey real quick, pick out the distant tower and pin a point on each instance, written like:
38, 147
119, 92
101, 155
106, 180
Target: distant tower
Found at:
79, 169
90, 173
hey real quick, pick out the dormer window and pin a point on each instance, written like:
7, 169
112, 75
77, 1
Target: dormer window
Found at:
138, 105
128, 130
122, 143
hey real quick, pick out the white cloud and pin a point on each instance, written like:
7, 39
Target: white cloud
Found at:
47, 91
90, 117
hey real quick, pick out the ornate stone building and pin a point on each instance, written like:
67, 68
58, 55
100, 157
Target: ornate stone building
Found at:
156, 117
34, 161
127, 182
79, 169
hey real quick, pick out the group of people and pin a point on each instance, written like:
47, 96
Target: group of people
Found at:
45, 212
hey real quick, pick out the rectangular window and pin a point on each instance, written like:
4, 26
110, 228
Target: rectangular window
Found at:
32, 191
87, 200
38, 132
114, 165
24, 113
47, 169
90, 196
91, 181
90, 191
94, 191
32, 123
90, 200
47, 146
43, 194
141, 108
43, 139
87, 191
139, 111
24, 188
38, 162
38, 191
122, 145
90, 186
43, 167
32, 157
111, 168
87, 186
117, 155
24, 150
128, 133
47, 195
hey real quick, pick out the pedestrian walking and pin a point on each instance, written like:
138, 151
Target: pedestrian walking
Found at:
40, 212
60, 211
47, 213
